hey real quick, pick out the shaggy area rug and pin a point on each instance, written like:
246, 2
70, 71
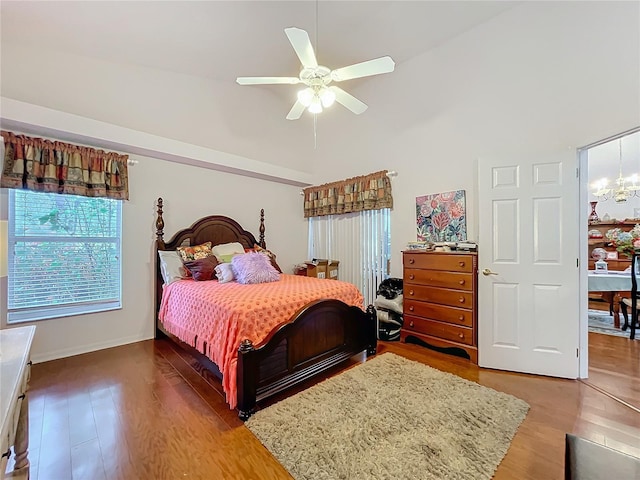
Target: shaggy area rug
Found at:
391, 418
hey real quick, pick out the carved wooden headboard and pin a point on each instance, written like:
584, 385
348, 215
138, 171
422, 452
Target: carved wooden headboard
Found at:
216, 229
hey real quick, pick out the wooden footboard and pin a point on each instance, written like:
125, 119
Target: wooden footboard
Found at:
321, 335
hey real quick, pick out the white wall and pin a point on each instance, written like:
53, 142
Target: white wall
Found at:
189, 193
171, 105
542, 77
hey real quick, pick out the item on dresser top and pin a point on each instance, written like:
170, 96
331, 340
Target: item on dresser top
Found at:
467, 246
419, 245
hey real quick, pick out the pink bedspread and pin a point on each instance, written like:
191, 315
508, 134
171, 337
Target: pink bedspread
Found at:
214, 318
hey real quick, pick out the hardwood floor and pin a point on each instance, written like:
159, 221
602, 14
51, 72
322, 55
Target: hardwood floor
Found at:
142, 411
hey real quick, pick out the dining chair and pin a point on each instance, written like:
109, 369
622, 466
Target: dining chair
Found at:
632, 302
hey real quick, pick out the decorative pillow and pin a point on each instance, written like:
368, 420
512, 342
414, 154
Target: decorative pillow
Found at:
270, 254
171, 266
195, 253
254, 267
226, 258
224, 272
227, 249
203, 268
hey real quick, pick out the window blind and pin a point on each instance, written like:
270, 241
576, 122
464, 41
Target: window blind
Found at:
361, 241
64, 254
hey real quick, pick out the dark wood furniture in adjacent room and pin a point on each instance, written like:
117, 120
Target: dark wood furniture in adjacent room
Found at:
441, 301
601, 300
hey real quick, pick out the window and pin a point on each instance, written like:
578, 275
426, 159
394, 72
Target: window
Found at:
64, 255
361, 241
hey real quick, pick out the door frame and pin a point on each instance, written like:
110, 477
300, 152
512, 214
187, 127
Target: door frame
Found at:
583, 192
583, 259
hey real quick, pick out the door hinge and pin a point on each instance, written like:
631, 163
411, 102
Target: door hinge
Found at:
577, 173
578, 262
577, 352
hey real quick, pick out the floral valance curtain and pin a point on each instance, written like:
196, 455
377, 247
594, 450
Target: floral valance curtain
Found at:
49, 166
368, 192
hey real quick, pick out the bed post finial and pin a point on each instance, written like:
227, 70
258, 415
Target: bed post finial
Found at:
159, 222
263, 244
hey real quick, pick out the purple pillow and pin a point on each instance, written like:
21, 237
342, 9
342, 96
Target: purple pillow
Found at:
254, 267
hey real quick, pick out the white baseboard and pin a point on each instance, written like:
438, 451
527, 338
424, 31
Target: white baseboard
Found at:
78, 350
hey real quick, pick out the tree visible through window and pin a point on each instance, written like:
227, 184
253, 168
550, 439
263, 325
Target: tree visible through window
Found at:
64, 255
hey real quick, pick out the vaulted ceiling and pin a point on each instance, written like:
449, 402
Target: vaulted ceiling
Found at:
216, 41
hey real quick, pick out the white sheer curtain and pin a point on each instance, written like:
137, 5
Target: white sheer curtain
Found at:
361, 241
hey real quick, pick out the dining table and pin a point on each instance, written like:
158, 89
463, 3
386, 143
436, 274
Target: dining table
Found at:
612, 283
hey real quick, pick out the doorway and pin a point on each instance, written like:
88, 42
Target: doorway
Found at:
611, 194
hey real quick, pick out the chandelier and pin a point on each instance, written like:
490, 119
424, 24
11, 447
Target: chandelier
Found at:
623, 188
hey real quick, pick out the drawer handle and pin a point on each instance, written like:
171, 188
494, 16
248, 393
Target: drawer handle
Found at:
411, 324
461, 282
461, 318
411, 308
410, 292
461, 335
461, 299
461, 264
411, 277
411, 260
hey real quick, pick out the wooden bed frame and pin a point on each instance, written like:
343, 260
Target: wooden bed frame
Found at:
319, 336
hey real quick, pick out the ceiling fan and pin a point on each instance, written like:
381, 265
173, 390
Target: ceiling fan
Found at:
318, 93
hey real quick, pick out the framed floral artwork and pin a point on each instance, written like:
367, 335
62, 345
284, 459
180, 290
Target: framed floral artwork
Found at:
441, 217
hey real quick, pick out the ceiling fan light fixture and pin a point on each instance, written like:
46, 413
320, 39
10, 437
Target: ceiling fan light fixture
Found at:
327, 97
305, 97
316, 105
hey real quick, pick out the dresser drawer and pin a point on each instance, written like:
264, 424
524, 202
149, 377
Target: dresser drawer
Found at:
434, 261
438, 278
438, 329
457, 316
455, 298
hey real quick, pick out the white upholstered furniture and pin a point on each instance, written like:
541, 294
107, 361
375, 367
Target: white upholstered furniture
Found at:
15, 367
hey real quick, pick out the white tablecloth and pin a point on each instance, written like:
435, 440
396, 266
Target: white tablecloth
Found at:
609, 282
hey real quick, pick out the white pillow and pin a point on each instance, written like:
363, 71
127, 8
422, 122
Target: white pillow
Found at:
227, 249
224, 273
171, 266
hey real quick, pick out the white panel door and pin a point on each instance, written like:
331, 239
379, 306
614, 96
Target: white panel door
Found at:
528, 302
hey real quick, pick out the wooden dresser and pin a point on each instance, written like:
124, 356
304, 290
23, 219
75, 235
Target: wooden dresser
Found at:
441, 301
15, 367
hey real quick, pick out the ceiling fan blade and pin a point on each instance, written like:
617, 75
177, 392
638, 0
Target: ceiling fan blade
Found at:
349, 101
267, 80
296, 111
364, 69
302, 45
